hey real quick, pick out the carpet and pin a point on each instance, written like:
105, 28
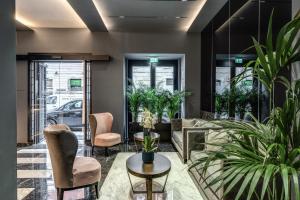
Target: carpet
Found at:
179, 186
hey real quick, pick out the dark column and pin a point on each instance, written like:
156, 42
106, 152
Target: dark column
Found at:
8, 184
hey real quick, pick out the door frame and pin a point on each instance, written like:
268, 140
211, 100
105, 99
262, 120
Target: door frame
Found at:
144, 62
86, 97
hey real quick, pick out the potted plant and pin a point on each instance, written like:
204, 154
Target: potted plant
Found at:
262, 159
148, 97
174, 101
242, 100
134, 99
162, 127
161, 102
134, 96
221, 105
148, 149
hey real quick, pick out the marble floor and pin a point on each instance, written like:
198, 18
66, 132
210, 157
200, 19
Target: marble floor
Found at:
179, 185
34, 171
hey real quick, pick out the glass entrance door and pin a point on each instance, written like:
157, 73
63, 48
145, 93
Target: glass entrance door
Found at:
57, 96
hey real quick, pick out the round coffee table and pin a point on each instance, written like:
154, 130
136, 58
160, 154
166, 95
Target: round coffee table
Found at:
139, 138
161, 166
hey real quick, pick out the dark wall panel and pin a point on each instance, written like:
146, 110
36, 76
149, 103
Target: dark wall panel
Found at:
7, 101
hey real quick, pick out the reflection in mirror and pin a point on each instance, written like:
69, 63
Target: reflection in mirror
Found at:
225, 52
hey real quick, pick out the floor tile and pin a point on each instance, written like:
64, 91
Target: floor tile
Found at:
23, 192
33, 151
34, 173
32, 160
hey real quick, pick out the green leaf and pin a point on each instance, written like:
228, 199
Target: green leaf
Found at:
296, 182
254, 182
237, 179
285, 179
246, 181
268, 173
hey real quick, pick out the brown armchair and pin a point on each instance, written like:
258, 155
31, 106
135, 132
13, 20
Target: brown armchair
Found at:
101, 131
69, 171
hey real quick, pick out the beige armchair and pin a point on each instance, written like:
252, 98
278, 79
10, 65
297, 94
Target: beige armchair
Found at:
69, 171
101, 131
184, 130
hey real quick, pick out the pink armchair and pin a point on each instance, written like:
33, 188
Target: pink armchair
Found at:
101, 131
70, 171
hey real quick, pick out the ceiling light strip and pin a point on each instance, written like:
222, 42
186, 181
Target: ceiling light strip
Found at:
24, 21
106, 23
195, 13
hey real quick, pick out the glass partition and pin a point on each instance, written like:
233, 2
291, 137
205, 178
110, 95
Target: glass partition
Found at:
226, 49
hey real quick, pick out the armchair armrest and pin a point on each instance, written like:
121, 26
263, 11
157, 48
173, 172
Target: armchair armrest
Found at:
186, 131
195, 141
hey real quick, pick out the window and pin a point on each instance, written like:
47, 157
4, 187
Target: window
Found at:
141, 76
155, 75
163, 75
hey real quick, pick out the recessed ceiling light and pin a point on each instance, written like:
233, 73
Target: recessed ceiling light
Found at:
122, 17
178, 17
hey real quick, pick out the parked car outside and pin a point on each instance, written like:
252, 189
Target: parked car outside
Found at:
57, 100
70, 113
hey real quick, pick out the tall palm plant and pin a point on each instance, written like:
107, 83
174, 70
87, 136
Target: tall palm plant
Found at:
264, 159
134, 96
161, 102
174, 101
272, 60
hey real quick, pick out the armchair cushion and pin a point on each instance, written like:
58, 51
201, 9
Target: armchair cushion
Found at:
107, 139
217, 137
205, 124
86, 171
188, 122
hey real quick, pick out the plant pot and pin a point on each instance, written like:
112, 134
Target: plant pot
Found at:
148, 157
164, 129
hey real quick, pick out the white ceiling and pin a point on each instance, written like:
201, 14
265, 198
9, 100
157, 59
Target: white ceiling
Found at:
148, 15
47, 14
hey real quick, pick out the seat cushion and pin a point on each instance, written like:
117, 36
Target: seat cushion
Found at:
178, 138
217, 137
107, 139
86, 171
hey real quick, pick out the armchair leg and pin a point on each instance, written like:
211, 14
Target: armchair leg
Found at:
60, 194
106, 152
97, 190
93, 150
